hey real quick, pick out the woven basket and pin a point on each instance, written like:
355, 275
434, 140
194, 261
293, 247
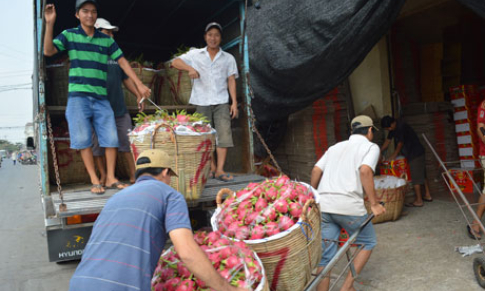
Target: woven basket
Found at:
57, 87
393, 199
192, 157
149, 78
290, 259
71, 166
178, 84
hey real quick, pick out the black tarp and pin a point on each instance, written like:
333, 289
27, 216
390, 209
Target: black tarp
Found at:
478, 6
300, 50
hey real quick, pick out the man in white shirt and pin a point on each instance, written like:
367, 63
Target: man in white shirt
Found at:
341, 176
214, 72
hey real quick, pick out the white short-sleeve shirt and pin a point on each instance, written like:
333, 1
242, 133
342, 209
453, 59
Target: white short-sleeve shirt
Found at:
211, 88
340, 188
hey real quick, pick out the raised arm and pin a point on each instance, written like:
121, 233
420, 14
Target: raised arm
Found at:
50, 19
197, 261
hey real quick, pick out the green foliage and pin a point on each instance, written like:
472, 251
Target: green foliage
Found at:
6, 145
182, 49
162, 116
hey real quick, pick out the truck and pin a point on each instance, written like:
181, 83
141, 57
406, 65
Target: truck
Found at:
154, 30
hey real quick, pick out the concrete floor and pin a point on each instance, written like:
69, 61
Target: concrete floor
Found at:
414, 253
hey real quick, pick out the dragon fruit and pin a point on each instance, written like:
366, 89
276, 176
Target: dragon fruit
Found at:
233, 260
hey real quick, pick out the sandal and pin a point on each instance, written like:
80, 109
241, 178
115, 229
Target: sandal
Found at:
225, 178
472, 234
97, 189
117, 185
427, 200
412, 205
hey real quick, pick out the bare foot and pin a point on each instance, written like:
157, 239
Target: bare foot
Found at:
347, 289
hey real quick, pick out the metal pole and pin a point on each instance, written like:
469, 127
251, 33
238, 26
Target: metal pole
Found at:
453, 182
339, 254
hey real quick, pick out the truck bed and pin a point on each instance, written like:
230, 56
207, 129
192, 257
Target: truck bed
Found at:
79, 200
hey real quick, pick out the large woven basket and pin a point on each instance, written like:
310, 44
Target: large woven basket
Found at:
149, 78
289, 259
71, 166
192, 157
393, 199
57, 85
178, 85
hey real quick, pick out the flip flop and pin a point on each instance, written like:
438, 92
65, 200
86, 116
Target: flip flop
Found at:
98, 187
471, 234
427, 200
225, 178
412, 205
117, 185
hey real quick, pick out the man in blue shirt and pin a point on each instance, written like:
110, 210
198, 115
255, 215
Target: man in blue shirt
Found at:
130, 233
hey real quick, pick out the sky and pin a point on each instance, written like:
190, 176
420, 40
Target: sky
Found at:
16, 68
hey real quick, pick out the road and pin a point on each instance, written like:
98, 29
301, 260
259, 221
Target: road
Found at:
415, 252
23, 253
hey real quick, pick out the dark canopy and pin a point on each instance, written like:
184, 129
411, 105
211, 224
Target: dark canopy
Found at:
300, 50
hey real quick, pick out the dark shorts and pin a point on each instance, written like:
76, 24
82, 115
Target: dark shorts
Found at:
417, 167
123, 127
220, 118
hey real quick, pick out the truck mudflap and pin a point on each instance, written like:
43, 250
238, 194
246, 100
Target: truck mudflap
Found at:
67, 244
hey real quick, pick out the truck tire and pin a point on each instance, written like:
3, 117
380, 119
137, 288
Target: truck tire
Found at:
479, 270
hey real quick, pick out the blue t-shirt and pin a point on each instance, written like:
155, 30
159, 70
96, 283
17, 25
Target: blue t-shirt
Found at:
129, 236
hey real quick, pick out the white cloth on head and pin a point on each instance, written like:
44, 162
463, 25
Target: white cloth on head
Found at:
211, 87
340, 187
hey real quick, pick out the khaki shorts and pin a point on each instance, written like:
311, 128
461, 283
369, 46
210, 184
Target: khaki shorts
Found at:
220, 118
417, 168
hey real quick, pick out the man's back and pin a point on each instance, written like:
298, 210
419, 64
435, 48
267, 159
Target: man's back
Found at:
128, 237
340, 187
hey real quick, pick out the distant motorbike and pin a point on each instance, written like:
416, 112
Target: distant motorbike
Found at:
28, 161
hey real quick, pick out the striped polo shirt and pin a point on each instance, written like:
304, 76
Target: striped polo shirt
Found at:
129, 236
89, 60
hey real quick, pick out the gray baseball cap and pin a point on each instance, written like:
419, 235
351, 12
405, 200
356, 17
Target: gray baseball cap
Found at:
213, 24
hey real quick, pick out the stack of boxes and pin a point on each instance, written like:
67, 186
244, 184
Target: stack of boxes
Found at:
465, 100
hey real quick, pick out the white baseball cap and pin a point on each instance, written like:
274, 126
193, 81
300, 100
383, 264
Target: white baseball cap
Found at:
102, 23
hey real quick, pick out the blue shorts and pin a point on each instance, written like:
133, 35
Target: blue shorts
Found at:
85, 113
331, 226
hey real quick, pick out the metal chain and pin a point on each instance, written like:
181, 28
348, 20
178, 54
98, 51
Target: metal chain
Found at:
62, 206
254, 129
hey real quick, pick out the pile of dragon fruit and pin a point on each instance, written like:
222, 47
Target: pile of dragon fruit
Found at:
262, 210
180, 121
232, 259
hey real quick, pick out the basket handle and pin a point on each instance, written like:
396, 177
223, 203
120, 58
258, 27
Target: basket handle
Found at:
173, 138
304, 214
219, 195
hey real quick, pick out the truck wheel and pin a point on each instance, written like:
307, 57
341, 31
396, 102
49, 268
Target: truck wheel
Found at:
479, 270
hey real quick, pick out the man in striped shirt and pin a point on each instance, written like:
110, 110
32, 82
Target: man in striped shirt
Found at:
89, 51
130, 233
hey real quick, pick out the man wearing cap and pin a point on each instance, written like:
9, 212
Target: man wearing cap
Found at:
131, 230
342, 176
407, 143
214, 72
87, 105
115, 76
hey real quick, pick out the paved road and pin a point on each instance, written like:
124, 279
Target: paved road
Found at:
414, 253
23, 253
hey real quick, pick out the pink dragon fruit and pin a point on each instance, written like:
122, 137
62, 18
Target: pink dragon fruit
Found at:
295, 209
242, 233
272, 228
285, 222
281, 181
260, 205
183, 271
258, 232
182, 119
271, 194
281, 206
